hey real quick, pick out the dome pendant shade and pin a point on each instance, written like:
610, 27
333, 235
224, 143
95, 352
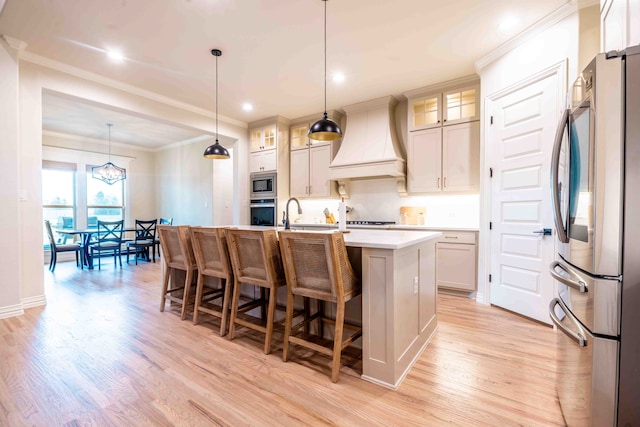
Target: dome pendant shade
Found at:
216, 151
325, 129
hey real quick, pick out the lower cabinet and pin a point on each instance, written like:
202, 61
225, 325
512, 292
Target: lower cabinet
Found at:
456, 261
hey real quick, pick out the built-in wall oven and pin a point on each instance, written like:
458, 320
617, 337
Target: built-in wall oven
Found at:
263, 212
263, 185
595, 177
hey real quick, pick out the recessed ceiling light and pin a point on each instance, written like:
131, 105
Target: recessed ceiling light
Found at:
115, 55
247, 107
508, 24
338, 77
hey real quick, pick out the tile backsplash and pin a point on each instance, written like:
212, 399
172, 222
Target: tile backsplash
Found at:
377, 199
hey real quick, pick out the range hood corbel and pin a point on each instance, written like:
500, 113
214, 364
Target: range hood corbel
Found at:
370, 147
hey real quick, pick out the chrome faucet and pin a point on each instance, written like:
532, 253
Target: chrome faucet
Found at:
287, 222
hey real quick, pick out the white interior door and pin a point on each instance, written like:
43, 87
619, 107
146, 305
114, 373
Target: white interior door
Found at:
520, 141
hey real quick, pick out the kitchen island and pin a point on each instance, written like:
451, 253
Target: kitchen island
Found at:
398, 299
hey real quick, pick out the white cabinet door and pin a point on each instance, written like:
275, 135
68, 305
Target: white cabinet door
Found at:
461, 157
456, 266
425, 157
319, 160
619, 23
299, 173
262, 161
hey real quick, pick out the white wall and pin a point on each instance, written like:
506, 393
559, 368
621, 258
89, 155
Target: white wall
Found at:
185, 184
562, 41
10, 293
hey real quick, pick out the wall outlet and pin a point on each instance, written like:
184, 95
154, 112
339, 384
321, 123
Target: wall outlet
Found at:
415, 285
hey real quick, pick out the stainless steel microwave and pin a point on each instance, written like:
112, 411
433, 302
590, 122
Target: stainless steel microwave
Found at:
263, 185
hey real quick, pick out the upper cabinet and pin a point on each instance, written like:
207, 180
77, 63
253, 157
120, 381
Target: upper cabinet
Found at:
310, 160
443, 144
264, 138
269, 145
427, 110
619, 24
444, 159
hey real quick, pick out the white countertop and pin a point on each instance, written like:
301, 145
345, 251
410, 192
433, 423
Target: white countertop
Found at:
388, 227
368, 238
388, 239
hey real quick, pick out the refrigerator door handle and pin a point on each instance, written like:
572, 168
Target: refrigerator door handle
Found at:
579, 338
555, 185
577, 283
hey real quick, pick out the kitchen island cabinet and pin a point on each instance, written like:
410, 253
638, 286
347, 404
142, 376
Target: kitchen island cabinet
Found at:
398, 299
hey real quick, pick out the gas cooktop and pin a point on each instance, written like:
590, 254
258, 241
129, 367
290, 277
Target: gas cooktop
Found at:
360, 222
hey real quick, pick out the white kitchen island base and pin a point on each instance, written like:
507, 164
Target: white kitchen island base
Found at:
398, 300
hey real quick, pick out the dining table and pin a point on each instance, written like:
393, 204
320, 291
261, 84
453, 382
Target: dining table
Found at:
84, 236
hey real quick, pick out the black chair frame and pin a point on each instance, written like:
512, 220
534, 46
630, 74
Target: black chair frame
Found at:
109, 240
145, 239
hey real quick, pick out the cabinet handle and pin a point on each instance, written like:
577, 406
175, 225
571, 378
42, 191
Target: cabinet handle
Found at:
309, 190
438, 182
444, 120
450, 237
445, 182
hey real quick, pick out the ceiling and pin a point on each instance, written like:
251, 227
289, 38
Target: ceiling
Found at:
272, 52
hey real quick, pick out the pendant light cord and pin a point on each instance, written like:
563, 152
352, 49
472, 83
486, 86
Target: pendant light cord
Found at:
216, 98
325, 58
109, 125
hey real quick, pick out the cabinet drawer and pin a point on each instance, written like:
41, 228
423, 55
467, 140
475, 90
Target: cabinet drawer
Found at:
467, 237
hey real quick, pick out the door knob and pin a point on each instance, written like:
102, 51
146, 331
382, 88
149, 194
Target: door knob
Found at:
544, 232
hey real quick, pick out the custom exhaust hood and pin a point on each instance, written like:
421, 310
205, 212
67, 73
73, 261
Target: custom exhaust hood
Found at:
370, 146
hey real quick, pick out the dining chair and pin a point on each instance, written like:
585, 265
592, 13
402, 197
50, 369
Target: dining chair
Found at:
255, 259
55, 247
109, 240
162, 221
145, 239
212, 257
317, 267
177, 252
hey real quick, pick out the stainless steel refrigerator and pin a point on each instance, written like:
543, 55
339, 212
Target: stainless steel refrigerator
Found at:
595, 188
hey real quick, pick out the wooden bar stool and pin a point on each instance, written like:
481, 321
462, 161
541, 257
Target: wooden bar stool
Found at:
255, 259
178, 255
212, 256
316, 266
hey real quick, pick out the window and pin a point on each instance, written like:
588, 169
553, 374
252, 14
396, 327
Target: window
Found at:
58, 196
104, 202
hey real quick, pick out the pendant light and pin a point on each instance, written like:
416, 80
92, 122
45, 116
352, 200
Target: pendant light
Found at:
325, 129
109, 172
216, 151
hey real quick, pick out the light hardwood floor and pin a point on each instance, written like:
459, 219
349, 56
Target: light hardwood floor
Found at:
100, 353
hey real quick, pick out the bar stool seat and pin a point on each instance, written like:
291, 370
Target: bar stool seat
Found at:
178, 255
212, 257
255, 259
317, 267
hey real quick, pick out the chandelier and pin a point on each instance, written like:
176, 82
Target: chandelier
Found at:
109, 172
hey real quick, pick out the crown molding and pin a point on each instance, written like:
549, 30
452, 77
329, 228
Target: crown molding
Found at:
564, 11
14, 43
185, 142
134, 90
439, 87
81, 138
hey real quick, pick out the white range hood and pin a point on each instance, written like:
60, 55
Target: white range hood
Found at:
370, 146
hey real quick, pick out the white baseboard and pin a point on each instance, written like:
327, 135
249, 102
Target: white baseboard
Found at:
36, 301
11, 311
